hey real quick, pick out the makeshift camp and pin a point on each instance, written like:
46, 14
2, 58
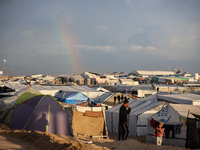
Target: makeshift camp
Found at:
73, 98
88, 121
39, 112
111, 101
174, 117
9, 102
185, 98
137, 119
52, 90
11, 86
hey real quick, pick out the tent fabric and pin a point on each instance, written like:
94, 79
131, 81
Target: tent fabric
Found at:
98, 97
186, 98
26, 89
173, 114
9, 102
93, 114
133, 118
91, 126
84, 109
83, 88
39, 112
73, 98
13, 86
138, 107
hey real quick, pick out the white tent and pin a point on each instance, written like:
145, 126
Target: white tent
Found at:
8, 102
52, 90
172, 115
13, 86
101, 89
138, 125
151, 73
109, 115
186, 98
137, 119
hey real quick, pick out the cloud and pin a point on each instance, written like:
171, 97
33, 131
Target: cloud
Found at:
103, 27
107, 48
142, 48
115, 48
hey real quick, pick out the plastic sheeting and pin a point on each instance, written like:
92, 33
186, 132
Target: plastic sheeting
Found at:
73, 98
173, 114
187, 98
9, 102
13, 86
138, 107
91, 126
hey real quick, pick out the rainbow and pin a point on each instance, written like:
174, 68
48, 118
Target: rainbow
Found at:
68, 50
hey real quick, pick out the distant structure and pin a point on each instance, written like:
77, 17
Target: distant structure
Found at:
150, 73
4, 70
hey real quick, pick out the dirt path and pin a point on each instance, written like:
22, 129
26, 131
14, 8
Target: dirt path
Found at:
10, 143
35, 140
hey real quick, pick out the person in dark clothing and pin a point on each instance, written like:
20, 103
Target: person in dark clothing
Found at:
122, 127
118, 97
126, 98
115, 98
122, 98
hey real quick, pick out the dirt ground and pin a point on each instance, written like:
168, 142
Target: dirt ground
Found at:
21, 139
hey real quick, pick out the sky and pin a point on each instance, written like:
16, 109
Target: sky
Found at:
103, 36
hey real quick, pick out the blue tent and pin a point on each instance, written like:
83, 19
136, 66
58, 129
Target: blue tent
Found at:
73, 98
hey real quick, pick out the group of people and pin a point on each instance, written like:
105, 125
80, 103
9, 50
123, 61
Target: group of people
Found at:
120, 99
123, 130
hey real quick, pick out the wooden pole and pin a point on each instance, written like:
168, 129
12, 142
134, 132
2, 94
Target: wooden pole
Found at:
168, 91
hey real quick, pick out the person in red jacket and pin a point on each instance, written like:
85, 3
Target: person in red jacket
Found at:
159, 133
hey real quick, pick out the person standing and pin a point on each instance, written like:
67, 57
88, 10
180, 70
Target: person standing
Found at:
122, 126
159, 134
122, 97
118, 97
115, 98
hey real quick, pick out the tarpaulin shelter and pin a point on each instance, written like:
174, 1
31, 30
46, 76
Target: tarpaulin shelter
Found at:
89, 121
174, 117
73, 98
39, 112
183, 98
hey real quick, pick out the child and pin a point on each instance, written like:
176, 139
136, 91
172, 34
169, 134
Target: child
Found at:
159, 133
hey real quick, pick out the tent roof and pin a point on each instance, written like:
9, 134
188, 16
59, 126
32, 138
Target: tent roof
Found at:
145, 72
101, 89
24, 97
14, 86
26, 89
103, 97
68, 95
186, 98
183, 109
65, 88
137, 105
